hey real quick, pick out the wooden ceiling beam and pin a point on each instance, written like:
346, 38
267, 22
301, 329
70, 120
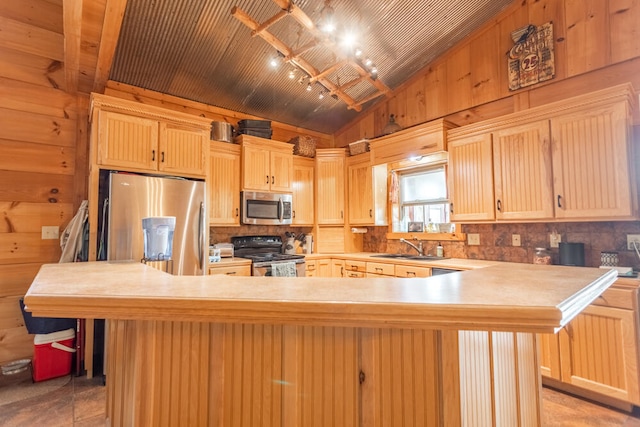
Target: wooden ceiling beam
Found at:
329, 70
352, 83
72, 24
299, 62
307, 47
269, 22
114, 13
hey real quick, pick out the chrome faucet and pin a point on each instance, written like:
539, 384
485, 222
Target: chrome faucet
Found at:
417, 248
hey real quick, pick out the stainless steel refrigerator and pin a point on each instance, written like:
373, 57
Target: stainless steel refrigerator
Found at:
132, 197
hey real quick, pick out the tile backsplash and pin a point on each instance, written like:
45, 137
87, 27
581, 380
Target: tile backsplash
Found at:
496, 241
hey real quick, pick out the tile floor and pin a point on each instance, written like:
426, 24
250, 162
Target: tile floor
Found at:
81, 403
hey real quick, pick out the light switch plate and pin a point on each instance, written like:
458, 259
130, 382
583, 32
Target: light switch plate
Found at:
473, 239
50, 232
554, 240
515, 240
633, 238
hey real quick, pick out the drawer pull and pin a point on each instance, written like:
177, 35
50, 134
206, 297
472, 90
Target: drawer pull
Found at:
231, 273
378, 269
411, 274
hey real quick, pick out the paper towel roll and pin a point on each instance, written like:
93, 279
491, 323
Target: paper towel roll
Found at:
358, 230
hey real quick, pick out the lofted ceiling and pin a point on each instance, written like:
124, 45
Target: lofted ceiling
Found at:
197, 50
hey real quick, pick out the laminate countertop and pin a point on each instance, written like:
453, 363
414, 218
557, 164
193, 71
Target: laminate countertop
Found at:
503, 297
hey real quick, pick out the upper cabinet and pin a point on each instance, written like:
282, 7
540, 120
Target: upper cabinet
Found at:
224, 187
567, 160
140, 138
267, 165
367, 191
412, 142
330, 186
303, 177
592, 163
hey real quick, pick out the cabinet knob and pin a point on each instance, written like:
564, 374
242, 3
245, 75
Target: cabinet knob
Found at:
267, 179
370, 213
293, 214
499, 205
273, 180
559, 201
162, 157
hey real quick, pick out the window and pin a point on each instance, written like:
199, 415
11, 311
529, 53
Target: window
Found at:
421, 202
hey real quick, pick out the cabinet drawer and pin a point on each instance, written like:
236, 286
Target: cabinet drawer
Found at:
355, 266
380, 268
411, 271
237, 270
617, 297
354, 273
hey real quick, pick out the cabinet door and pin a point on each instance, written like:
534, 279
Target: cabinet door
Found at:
360, 194
256, 169
183, 151
302, 186
598, 352
471, 179
127, 142
311, 268
330, 185
281, 169
224, 186
337, 268
591, 169
549, 355
522, 172
324, 267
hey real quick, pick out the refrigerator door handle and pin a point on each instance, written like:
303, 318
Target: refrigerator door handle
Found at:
201, 237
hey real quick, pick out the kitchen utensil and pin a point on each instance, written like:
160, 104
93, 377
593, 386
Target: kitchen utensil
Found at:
571, 253
222, 131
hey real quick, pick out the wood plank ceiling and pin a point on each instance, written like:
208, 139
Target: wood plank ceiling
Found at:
197, 50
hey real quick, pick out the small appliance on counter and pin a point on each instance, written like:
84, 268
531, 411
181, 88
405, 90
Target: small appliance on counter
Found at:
572, 254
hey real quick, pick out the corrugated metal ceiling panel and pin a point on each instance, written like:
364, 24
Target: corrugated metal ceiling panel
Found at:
195, 49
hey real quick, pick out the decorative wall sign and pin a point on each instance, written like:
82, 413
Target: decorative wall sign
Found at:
531, 57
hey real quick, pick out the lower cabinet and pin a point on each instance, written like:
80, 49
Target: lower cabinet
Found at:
379, 269
319, 267
337, 268
355, 269
412, 271
597, 352
231, 270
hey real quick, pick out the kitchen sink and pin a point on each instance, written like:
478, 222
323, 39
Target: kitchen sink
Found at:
410, 257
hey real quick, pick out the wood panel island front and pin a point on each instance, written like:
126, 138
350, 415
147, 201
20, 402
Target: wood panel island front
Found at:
451, 350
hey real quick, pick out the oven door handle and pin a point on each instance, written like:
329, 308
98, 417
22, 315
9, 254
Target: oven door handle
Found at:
280, 209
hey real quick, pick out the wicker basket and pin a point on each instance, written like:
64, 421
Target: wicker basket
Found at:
359, 147
304, 146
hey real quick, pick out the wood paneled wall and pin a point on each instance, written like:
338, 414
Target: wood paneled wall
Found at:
42, 168
281, 131
596, 46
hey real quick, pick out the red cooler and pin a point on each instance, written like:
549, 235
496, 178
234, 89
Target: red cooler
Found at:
52, 354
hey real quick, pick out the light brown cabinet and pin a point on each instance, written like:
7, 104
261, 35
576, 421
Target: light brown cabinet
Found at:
597, 352
592, 163
267, 165
379, 269
355, 269
367, 196
568, 160
224, 184
330, 185
412, 271
471, 178
319, 267
230, 270
136, 143
338, 268
303, 194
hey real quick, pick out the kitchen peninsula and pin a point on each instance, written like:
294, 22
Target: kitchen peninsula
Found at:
457, 349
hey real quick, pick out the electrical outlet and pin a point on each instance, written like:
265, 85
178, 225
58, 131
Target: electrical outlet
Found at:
473, 239
633, 238
554, 240
515, 240
50, 232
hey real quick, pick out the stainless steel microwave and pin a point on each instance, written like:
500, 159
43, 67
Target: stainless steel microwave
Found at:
266, 208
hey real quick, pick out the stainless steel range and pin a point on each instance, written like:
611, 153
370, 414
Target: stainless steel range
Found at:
266, 257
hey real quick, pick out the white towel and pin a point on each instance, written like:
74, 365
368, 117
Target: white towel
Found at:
283, 269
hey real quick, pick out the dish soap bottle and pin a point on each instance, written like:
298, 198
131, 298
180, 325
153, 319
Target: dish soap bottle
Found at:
439, 250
